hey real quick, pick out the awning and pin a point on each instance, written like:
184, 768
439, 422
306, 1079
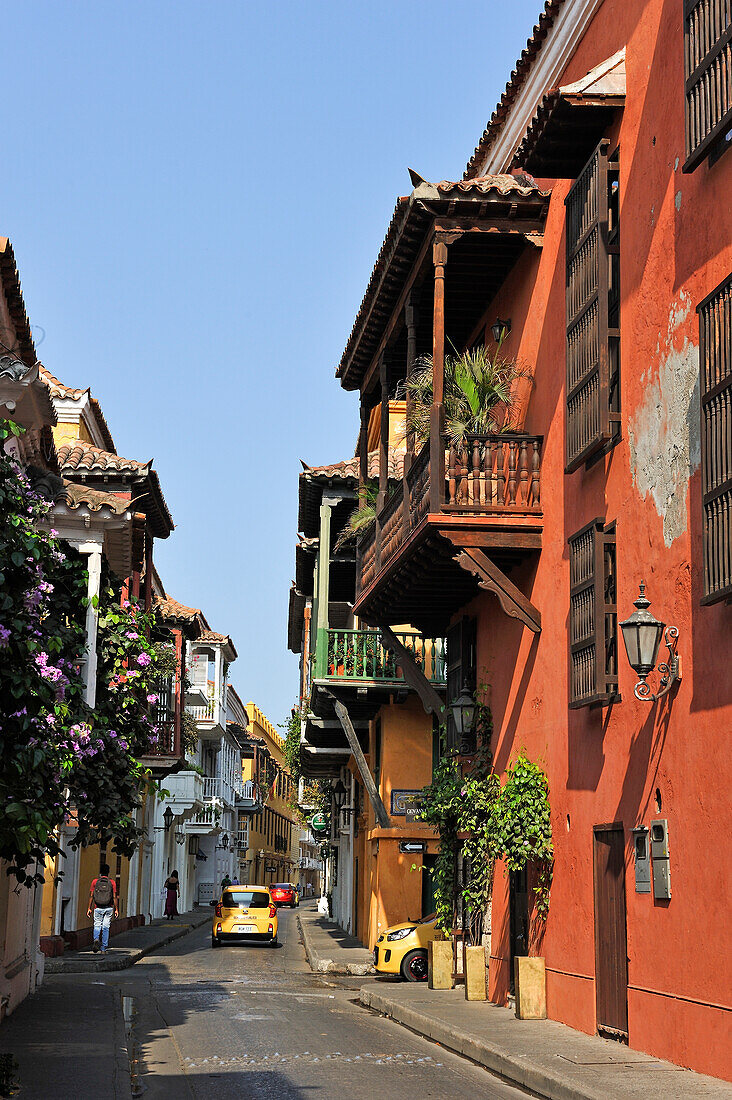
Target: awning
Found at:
571, 120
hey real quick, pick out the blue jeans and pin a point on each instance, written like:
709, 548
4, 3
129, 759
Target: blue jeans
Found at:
102, 919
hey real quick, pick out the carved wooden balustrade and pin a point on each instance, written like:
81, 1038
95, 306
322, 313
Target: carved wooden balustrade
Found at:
496, 474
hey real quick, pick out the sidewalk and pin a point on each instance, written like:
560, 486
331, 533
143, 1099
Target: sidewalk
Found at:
550, 1059
125, 949
68, 1041
329, 949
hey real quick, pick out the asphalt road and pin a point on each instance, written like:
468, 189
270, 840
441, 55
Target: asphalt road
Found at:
253, 1021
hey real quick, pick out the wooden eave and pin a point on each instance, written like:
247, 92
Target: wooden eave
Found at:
564, 132
498, 210
424, 583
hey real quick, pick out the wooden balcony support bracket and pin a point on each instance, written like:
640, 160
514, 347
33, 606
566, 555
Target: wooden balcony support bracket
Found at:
493, 579
413, 674
368, 780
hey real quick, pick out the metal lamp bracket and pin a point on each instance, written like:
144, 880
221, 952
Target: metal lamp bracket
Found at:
670, 670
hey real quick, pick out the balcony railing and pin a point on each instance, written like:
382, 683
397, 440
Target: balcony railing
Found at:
497, 474
207, 711
218, 790
248, 795
359, 655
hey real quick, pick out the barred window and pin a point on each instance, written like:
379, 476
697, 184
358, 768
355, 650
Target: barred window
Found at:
715, 364
593, 618
707, 67
593, 309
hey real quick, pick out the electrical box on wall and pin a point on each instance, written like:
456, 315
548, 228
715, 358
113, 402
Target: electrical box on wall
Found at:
642, 855
661, 859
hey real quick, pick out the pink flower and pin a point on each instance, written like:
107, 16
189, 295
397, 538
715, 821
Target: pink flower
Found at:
144, 659
152, 698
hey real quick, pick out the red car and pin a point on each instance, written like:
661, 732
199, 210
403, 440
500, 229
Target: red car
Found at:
284, 893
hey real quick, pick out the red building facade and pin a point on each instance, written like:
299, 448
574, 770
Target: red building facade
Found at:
621, 308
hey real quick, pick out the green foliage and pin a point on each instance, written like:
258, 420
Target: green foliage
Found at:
362, 516
59, 760
188, 733
477, 397
291, 749
482, 821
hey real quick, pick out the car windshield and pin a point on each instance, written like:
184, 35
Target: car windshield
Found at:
247, 899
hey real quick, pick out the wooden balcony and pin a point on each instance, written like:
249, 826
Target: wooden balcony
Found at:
359, 657
461, 518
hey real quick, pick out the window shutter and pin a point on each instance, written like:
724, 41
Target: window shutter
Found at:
715, 359
461, 666
707, 67
593, 615
591, 280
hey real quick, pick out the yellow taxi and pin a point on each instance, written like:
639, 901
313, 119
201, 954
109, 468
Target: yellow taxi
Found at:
402, 949
245, 913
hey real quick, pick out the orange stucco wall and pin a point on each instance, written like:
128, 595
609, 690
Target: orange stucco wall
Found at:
390, 882
606, 764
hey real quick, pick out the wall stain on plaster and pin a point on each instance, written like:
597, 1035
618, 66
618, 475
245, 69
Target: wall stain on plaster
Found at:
664, 433
677, 200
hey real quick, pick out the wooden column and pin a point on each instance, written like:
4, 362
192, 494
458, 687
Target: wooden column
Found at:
437, 415
411, 319
383, 436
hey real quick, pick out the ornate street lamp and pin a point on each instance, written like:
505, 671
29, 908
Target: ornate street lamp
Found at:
464, 712
500, 329
167, 819
642, 637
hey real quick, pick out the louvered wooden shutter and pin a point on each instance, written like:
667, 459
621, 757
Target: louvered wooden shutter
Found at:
461, 668
708, 71
590, 363
715, 358
593, 615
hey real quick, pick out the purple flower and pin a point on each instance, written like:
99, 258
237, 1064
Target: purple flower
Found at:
132, 635
144, 659
463, 792
4, 635
152, 698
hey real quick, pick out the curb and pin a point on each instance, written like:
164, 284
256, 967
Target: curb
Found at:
515, 1069
329, 966
95, 964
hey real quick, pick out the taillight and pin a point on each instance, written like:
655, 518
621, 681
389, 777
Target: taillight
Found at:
219, 910
273, 910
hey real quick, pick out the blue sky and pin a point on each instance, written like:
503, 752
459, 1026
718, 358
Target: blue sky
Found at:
196, 195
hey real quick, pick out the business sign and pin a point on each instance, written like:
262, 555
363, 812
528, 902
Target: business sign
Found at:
318, 823
412, 846
406, 804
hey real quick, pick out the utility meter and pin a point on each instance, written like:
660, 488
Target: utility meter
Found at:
661, 860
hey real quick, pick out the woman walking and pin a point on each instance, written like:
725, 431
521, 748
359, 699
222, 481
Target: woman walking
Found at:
172, 889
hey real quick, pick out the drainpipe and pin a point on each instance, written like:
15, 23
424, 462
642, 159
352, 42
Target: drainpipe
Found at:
92, 616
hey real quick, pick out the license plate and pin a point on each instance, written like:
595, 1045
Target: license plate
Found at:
244, 928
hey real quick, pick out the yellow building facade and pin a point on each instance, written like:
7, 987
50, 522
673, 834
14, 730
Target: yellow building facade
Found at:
274, 832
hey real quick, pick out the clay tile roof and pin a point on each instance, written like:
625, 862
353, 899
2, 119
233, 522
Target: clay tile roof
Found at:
171, 609
514, 85
348, 470
214, 636
86, 457
57, 388
74, 496
16, 306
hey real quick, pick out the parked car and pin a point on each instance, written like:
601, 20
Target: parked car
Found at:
402, 949
245, 913
284, 893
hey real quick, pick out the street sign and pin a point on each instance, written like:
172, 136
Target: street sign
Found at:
412, 846
318, 823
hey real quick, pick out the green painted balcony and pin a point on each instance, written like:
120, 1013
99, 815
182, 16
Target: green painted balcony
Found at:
358, 657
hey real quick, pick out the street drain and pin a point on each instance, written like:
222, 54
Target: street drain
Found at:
129, 1012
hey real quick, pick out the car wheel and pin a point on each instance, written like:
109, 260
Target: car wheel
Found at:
215, 942
414, 966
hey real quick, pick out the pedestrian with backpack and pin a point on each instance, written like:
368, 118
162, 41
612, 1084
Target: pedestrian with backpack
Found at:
103, 900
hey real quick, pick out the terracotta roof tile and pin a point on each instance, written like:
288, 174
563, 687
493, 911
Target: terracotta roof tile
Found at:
60, 390
348, 470
214, 636
513, 87
171, 609
86, 457
16, 306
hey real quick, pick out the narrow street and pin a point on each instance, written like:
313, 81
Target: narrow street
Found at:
255, 1022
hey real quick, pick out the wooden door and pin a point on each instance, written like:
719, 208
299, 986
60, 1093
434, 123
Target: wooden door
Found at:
611, 950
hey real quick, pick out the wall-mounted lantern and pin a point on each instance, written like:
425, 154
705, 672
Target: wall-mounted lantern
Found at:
464, 711
167, 819
642, 637
339, 797
500, 329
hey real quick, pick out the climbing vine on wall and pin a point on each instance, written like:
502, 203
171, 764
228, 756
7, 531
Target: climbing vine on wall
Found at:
482, 821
